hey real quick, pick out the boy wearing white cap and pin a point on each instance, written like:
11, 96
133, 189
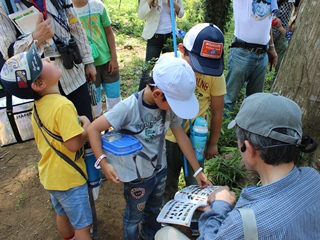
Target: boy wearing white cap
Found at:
202, 48
286, 205
168, 97
27, 76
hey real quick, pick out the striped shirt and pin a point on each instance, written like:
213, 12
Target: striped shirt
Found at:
286, 209
72, 78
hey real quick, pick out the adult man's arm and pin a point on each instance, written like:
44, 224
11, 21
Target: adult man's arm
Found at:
272, 54
221, 203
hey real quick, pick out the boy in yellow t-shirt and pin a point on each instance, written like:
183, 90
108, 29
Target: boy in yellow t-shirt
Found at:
27, 76
202, 48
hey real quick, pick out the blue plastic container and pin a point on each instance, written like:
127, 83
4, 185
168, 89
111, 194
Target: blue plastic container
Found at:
120, 149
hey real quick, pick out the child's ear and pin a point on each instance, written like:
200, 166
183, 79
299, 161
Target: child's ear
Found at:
38, 86
156, 93
181, 48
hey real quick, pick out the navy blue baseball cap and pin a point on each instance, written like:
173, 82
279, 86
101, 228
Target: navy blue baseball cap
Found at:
204, 43
20, 71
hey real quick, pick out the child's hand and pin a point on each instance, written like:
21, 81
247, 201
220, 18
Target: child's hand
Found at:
84, 121
202, 180
109, 172
113, 66
276, 23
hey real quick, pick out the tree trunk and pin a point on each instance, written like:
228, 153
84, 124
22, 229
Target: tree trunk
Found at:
218, 12
299, 73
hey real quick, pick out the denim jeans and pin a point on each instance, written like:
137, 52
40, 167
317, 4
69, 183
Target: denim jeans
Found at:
155, 45
244, 66
73, 203
143, 203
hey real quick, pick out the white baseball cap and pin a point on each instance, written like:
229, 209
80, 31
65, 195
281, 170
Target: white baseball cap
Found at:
205, 42
176, 79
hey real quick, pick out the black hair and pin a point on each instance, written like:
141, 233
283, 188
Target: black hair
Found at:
284, 153
186, 52
149, 80
36, 95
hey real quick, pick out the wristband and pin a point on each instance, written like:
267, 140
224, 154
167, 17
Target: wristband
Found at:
88, 65
97, 163
271, 45
198, 171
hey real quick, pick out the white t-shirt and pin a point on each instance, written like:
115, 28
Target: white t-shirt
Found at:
165, 25
252, 21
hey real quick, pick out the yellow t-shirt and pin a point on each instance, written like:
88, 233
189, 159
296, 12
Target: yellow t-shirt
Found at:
60, 117
206, 87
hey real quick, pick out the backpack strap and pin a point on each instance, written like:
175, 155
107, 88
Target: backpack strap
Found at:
38, 121
249, 223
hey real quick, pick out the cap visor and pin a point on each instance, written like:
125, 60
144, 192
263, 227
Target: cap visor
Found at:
232, 124
207, 66
186, 109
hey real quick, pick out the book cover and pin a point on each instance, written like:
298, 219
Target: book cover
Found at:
180, 209
25, 20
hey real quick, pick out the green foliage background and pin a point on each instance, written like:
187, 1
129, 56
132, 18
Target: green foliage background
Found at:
226, 169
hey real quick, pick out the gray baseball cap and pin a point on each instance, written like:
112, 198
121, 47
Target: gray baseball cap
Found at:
262, 113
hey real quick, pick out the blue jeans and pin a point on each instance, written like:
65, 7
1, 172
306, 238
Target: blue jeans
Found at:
75, 204
244, 66
143, 202
155, 45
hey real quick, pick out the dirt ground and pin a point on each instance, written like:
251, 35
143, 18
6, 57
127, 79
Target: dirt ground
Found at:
26, 211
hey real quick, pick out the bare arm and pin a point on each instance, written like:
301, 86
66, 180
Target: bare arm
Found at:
75, 143
187, 149
113, 65
94, 133
215, 126
272, 54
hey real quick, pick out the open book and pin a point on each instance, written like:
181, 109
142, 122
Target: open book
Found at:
180, 210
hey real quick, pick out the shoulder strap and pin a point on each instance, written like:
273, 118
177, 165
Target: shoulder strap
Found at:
9, 6
36, 117
11, 117
249, 223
